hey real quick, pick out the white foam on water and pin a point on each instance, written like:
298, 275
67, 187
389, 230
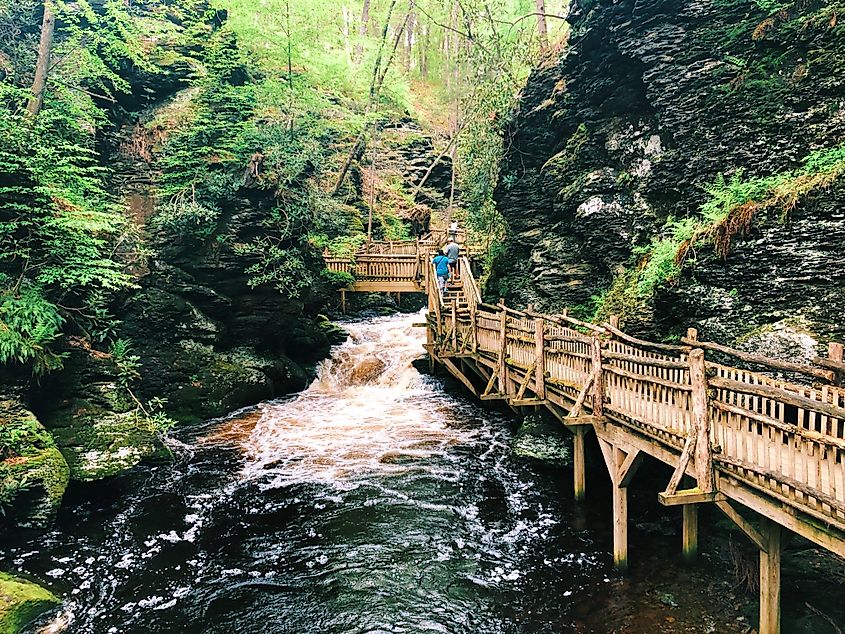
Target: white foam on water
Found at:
368, 412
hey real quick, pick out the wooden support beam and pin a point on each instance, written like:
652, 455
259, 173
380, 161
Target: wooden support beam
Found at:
620, 514
743, 524
598, 381
527, 402
770, 581
689, 496
681, 469
582, 421
615, 459
582, 396
540, 358
689, 536
490, 383
458, 374
808, 527
524, 384
580, 463
629, 467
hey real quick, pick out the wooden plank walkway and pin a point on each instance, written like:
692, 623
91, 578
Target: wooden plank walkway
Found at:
768, 453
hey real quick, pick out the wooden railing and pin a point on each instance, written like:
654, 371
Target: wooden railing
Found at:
782, 439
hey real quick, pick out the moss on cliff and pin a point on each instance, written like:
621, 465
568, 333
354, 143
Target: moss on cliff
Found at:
33, 474
21, 602
730, 211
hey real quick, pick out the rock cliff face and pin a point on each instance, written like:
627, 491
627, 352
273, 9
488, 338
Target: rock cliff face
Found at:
634, 125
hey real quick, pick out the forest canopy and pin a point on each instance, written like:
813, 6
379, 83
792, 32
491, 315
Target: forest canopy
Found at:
302, 85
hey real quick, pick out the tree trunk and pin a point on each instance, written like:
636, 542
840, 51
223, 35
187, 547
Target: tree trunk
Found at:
362, 31
375, 88
42, 67
542, 27
290, 68
346, 29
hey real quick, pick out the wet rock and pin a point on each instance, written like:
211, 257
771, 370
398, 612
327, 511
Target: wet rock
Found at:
543, 440
21, 602
334, 334
630, 126
97, 425
366, 371
33, 473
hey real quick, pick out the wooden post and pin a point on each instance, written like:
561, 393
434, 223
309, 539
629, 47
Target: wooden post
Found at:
620, 513
343, 300
473, 324
580, 463
701, 423
598, 387
503, 348
690, 532
540, 358
454, 325
429, 336
835, 353
770, 583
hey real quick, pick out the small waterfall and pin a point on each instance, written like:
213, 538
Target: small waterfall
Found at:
364, 414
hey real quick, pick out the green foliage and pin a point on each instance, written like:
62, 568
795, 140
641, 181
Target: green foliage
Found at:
126, 364
22, 437
28, 324
729, 209
337, 279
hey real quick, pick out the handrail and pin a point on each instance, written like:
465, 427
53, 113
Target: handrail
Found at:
671, 393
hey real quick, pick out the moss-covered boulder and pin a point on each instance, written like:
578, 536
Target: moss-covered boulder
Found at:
21, 602
97, 443
33, 473
542, 440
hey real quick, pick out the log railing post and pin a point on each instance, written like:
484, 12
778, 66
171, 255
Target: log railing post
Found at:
580, 463
540, 358
473, 324
598, 381
454, 325
503, 347
701, 418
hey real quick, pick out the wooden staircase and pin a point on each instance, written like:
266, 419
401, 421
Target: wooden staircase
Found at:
454, 292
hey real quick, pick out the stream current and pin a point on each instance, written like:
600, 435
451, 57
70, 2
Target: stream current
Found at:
372, 502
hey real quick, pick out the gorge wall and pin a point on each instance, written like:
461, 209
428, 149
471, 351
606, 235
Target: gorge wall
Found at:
612, 183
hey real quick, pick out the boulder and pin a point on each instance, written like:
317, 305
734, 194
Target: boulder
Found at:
21, 602
33, 473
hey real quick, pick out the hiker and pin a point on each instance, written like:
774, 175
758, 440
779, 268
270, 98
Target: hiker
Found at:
453, 230
453, 252
441, 264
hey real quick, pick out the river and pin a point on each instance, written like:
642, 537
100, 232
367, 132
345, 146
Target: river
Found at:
374, 501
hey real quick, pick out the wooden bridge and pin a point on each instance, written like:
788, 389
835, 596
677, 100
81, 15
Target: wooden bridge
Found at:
768, 453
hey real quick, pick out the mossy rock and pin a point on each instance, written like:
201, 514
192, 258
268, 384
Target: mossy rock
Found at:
335, 334
21, 602
541, 440
97, 443
34, 474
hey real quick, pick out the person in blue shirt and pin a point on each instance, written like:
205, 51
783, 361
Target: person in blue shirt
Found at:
441, 264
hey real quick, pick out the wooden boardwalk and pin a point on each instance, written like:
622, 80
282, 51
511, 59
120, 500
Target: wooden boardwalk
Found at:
768, 453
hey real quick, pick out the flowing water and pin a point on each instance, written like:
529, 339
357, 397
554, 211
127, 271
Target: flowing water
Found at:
372, 502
